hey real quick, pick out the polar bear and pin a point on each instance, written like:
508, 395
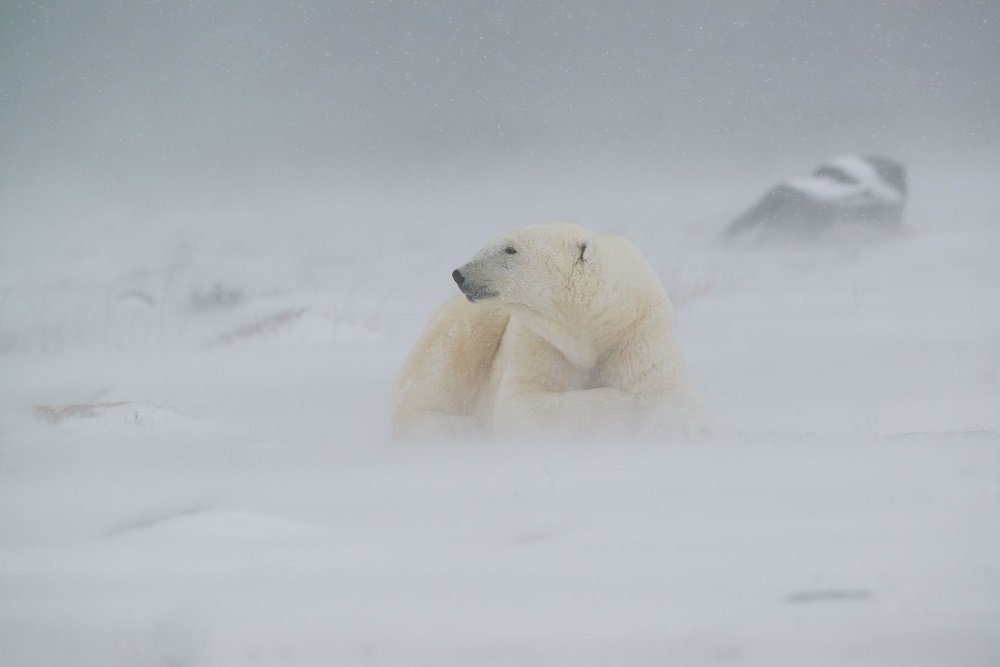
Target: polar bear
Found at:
558, 328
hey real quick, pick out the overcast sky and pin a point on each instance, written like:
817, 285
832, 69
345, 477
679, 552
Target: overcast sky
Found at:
137, 90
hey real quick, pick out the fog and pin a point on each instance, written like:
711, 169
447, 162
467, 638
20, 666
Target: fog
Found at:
223, 225
126, 98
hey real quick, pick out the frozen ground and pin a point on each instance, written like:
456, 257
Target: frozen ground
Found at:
195, 468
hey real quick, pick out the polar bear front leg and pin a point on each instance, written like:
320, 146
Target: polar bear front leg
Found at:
639, 389
650, 365
542, 391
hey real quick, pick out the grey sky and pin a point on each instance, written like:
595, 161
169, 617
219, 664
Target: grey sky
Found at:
261, 87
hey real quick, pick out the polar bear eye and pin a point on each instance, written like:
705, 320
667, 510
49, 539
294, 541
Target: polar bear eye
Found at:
510, 250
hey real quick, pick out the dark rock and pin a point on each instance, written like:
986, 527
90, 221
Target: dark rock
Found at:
866, 192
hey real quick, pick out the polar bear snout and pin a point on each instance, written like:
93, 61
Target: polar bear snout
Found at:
473, 289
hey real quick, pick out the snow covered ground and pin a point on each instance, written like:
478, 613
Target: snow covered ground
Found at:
195, 467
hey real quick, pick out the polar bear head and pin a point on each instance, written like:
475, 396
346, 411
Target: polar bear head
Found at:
536, 268
577, 288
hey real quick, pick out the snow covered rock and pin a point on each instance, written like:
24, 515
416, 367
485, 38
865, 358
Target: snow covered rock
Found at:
865, 192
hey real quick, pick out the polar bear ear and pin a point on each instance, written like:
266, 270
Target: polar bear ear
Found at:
586, 252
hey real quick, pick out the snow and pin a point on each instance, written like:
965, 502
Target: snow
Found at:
826, 189
868, 178
868, 186
223, 225
195, 465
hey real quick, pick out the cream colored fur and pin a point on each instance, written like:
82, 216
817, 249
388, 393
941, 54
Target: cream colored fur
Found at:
570, 332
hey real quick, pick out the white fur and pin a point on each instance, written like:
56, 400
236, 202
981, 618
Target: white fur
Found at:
571, 332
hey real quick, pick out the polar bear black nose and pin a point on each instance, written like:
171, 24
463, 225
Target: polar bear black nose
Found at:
459, 278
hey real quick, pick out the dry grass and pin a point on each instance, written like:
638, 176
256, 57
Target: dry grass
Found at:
260, 327
54, 414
